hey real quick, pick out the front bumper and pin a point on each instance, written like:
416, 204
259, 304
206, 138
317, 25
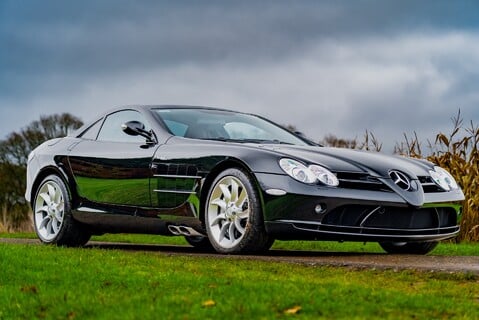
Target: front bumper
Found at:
322, 213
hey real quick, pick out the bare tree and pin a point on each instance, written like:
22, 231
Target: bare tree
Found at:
14, 152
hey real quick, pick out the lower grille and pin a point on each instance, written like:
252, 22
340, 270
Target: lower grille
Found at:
391, 217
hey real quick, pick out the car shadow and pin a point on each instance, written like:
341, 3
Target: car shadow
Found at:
187, 250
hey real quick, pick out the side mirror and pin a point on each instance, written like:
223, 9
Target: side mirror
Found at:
133, 128
137, 128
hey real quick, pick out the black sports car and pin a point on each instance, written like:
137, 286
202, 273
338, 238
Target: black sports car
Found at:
231, 181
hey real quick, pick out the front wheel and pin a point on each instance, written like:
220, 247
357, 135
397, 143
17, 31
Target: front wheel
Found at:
52, 215
234, 216
408, 247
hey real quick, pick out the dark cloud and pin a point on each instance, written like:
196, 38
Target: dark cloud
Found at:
85, 36
355, 65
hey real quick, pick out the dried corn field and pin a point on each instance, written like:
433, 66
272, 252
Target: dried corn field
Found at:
457, 152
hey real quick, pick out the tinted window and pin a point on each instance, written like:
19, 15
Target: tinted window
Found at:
177, 128
224, 125
111, 129
240, 130
92, 132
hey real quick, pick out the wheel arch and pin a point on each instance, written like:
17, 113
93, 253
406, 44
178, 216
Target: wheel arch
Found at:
52, 170
220, 167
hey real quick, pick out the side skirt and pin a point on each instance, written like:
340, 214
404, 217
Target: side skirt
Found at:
100, 222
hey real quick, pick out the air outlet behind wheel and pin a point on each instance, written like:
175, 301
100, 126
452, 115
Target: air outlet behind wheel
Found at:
400, 179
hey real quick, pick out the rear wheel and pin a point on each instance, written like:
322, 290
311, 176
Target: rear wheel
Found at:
408, 247
52, 215
233, 214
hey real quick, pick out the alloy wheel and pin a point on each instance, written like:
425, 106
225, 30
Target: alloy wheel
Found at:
228, 211
49, 210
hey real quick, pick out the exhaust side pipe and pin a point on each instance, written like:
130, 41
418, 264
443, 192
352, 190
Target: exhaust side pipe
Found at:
174, 230
184, 231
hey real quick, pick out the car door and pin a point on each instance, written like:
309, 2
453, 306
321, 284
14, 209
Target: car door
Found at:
111, 167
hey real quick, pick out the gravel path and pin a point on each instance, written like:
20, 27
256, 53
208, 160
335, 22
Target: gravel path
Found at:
454, 264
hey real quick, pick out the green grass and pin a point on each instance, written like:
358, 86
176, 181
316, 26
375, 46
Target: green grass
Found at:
47, 282
444, 248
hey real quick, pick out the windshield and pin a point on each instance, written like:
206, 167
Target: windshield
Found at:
225, 126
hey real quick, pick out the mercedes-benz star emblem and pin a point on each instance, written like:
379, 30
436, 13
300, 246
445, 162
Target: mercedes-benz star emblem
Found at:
400, 179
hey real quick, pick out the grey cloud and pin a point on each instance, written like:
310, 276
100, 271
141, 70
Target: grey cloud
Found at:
58, 36
327, 67
334, 88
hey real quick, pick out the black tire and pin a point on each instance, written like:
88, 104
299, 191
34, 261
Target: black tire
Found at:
199, 242
249, 234
408, 247
67, 232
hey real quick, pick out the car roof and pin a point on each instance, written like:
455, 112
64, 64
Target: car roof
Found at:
143, 107
175, 106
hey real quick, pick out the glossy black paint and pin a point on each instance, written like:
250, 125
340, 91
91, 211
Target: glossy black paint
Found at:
147, 185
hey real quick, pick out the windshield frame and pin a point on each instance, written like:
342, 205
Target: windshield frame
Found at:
292, 138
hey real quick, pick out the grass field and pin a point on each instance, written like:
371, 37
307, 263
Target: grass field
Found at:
212, 288
47, 282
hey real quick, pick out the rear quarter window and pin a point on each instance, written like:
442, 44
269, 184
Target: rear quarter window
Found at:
92, 132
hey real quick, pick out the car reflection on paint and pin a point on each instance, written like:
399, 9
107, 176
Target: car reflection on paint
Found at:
231, 181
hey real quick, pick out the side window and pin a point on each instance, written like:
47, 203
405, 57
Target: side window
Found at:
111, 129
92, 131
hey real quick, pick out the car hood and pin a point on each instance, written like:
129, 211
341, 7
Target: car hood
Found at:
373, 163
347, 160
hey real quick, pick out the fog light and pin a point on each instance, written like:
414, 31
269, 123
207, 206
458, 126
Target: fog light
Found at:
320, 208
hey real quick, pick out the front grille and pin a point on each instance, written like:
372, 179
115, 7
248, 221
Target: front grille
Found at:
362, 181
428, 185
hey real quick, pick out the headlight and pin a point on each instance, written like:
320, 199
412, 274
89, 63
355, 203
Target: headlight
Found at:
324, 175
443, 179
297, 170
311, 174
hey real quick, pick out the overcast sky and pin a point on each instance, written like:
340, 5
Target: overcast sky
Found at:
324, 66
